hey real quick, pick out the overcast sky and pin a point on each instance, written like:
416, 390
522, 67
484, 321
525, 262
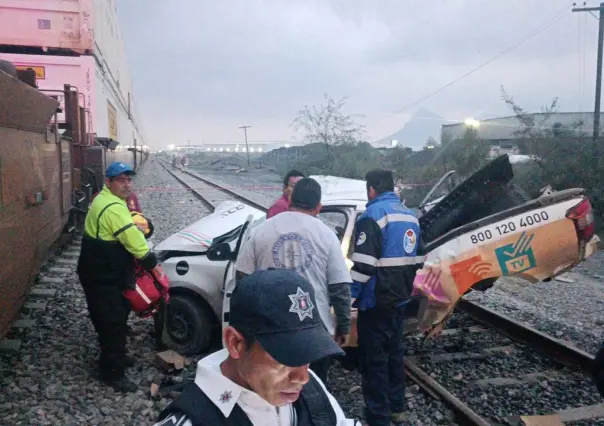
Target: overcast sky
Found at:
201, 68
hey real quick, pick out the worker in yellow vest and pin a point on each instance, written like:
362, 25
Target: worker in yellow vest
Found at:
110, 244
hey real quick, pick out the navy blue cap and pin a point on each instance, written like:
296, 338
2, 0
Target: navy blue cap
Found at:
117, 168
278, 307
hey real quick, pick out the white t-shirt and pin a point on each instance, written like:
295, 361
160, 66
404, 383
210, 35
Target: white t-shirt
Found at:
293, 240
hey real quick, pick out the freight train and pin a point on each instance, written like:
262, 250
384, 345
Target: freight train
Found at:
66, 104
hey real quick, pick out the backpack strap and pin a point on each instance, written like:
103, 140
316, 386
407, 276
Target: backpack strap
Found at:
313, 407
201, 411
98, 219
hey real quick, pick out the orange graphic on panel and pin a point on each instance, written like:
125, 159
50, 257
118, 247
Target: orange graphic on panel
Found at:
468, 272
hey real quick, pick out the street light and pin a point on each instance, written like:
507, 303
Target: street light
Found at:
470, 122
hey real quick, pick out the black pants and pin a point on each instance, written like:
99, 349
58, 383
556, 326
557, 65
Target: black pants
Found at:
321, 368
109, 314
381, 365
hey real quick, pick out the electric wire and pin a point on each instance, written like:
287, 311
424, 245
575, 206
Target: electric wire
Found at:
561, 13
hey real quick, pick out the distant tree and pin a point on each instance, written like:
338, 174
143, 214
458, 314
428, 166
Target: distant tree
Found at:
465, 155
561, 158
327, 124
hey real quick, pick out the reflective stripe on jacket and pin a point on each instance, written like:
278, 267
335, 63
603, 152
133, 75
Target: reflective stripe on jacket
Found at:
111, 241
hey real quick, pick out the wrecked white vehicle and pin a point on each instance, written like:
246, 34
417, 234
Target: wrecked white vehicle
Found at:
481, 230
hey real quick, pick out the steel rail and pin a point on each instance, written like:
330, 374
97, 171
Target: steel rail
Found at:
232, 193
464, 415
558, 350
215, 185
196, 193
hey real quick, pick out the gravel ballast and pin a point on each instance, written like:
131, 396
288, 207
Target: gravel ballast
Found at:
51, 380
539, 386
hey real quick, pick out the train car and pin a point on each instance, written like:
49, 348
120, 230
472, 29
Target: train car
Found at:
35, 188
76, 42
71, 59
108, 115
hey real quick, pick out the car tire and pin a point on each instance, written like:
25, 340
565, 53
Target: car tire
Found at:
189, 325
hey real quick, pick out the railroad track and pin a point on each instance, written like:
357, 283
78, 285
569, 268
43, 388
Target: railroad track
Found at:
487, 368
210, 193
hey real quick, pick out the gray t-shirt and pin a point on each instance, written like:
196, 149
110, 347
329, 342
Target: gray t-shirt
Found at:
298, 241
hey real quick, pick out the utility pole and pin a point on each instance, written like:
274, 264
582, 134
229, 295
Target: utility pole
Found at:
600, 9
246, 147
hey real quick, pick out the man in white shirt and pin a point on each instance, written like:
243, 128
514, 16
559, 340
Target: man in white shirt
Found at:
299, 241
262, 378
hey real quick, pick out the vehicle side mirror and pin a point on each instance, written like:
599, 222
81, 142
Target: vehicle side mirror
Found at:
220, 251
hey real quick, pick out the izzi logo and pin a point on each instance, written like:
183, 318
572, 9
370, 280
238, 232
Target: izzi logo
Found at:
517, 257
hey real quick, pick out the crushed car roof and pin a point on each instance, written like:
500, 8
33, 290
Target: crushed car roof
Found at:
198, 236
341, 191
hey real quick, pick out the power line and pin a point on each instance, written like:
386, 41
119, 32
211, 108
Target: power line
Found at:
521, 41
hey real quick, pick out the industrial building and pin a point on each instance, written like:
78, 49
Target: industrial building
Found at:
503, 133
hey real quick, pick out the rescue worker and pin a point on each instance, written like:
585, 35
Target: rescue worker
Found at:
297, 240
282, 204
261, 377
110, 244
385, 262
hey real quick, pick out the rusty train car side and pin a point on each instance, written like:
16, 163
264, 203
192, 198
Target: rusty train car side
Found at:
49, 171
35, 196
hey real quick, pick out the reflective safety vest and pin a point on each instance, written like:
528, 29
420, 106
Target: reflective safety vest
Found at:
111, 242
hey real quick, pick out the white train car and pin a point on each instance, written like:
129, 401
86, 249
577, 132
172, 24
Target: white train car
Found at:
76, 42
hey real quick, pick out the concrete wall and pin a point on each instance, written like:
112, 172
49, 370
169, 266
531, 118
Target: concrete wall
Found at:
34, 195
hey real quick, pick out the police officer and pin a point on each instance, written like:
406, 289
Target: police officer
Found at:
385, 262
261, 377
110, 244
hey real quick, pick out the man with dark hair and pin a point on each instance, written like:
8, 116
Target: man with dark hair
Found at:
298, 240
385, 262
106, 267
282, 204
261, 377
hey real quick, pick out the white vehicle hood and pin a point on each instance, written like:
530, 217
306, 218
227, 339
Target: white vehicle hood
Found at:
198, 236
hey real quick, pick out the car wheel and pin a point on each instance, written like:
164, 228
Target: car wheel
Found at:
188, 327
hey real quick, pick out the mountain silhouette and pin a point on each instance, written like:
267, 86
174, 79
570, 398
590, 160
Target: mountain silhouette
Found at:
414, 134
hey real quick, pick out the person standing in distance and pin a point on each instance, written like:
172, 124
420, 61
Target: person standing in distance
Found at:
299, 241
282, 204
261, 377
385, 262
110, 244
